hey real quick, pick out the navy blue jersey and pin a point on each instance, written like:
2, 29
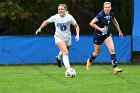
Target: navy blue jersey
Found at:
103, 22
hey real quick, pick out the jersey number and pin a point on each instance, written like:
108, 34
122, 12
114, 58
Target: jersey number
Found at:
63, 28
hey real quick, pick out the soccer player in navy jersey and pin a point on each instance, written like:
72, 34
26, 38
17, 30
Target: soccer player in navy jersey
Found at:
102, 34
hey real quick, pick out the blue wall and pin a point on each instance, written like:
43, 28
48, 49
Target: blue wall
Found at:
42, 49
136, 26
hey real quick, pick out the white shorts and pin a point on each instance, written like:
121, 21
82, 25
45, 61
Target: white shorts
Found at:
65, 38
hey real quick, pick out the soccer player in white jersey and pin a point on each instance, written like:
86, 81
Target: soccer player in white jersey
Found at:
62, 36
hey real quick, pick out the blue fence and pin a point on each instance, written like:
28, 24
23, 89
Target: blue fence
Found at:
136, 26
42, 49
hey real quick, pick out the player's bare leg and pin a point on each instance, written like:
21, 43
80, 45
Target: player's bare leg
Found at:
59, 57
63, 48
93, 56
109, 43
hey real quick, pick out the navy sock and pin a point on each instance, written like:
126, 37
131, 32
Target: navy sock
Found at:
91, 58
113, 60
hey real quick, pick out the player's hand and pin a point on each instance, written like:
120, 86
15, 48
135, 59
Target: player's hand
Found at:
38, 30
103, 30
77, 38
121, 34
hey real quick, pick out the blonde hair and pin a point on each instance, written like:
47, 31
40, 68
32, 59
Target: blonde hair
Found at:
105, 3
64, 5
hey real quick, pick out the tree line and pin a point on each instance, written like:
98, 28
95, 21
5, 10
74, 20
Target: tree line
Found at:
23, 17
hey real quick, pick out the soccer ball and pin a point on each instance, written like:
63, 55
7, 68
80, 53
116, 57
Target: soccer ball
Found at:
70, 73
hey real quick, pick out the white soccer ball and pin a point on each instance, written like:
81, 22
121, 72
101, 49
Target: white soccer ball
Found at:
70, 73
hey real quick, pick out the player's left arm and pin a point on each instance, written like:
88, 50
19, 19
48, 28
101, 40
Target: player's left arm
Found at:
115, 22
77, 32
76, 26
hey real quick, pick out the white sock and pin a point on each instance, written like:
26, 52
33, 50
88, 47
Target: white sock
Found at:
60, 55
66, 61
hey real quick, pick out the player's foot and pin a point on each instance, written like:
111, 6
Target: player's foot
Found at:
58, 62
88, 66
117, 70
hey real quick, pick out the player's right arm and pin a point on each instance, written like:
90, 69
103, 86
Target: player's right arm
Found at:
94, 25
46, 22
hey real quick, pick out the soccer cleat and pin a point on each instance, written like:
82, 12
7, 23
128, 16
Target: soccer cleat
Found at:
88, 66
58, 62
117, 70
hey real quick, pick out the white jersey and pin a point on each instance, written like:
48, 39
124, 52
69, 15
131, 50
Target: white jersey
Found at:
62, 24
62, 27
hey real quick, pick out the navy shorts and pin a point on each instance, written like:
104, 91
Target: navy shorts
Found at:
99, 39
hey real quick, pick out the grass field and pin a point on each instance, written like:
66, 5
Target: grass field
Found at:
51, 79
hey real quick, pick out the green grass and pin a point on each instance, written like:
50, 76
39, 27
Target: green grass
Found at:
51, 79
